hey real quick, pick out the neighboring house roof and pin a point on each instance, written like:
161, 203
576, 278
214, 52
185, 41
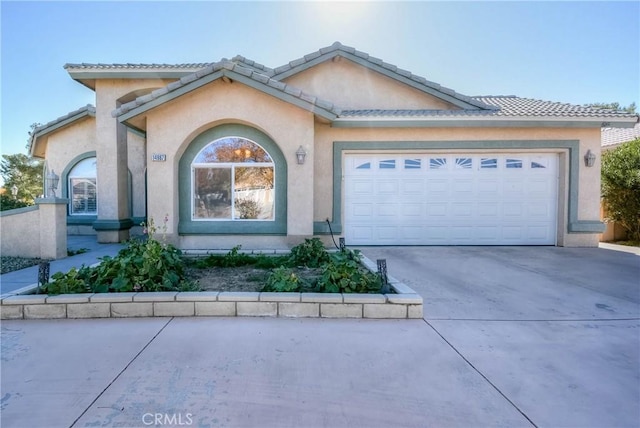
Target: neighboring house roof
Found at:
613, 137
234, 71
42, 131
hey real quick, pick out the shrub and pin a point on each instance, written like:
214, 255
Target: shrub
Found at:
143, 265
283, 279
621, 187
310, 253
10, 203
344, 274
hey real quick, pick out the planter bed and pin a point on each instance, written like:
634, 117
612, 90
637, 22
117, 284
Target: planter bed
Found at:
404, 303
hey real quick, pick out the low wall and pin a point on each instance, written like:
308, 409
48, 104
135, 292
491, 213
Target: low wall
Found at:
211, 304
404, 303
20, 232
39, 231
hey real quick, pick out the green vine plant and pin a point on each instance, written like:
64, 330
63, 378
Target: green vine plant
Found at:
149, 264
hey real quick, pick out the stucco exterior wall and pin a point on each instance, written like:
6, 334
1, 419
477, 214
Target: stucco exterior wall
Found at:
136, 158
173, 126
68, 143
20, 232
39, 231
112, 152
589, 178
351, 86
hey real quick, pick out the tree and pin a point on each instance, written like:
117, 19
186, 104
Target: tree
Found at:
631, 108
621, 187
23, 172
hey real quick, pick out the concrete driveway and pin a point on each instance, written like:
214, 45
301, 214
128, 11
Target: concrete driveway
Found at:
511, 337
556, 330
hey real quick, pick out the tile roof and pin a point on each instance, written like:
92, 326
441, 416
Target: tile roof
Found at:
338, 49
60, 122
503, 106
614, 136
511, 105
133, 66
507, 107
87, 110
224, 67
245, 62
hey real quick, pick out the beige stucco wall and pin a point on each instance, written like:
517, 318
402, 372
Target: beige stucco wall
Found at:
589, 178
65, 144
136, 154
35, 232
112, 150
20, 232
351, 86
173, 126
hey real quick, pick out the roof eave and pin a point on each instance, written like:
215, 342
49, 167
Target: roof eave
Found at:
48, 129
88, 77
483, 122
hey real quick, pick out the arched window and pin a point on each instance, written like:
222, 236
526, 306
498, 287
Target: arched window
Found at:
233, 179
83, 188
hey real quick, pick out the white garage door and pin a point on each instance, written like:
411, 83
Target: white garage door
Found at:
444, 199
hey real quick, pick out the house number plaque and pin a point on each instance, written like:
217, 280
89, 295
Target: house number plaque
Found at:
158, 157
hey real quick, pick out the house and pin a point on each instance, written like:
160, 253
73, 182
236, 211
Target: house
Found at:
237, 153
611, 139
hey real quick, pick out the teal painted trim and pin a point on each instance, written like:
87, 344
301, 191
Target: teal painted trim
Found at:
77, 220
229, 228
52, 201
64, 176
137, 221
384, 71
188, 226
321, 228
16, 211
585, 226
573, 147
471, 122
110, 225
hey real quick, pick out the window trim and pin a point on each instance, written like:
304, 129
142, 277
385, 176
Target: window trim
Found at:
232, 166
64, 181
189, 226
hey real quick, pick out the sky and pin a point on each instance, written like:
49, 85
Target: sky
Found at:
566, 51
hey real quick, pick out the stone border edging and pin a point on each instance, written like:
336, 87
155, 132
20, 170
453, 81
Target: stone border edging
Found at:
405, 304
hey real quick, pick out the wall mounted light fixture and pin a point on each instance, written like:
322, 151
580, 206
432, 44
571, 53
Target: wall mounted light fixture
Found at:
589, 159
52, 183
301, 155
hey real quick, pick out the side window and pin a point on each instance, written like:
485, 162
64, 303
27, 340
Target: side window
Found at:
83, 190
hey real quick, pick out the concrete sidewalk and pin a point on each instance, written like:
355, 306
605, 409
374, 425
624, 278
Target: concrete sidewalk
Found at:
12, 281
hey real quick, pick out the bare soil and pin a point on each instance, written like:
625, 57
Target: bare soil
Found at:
242, 278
